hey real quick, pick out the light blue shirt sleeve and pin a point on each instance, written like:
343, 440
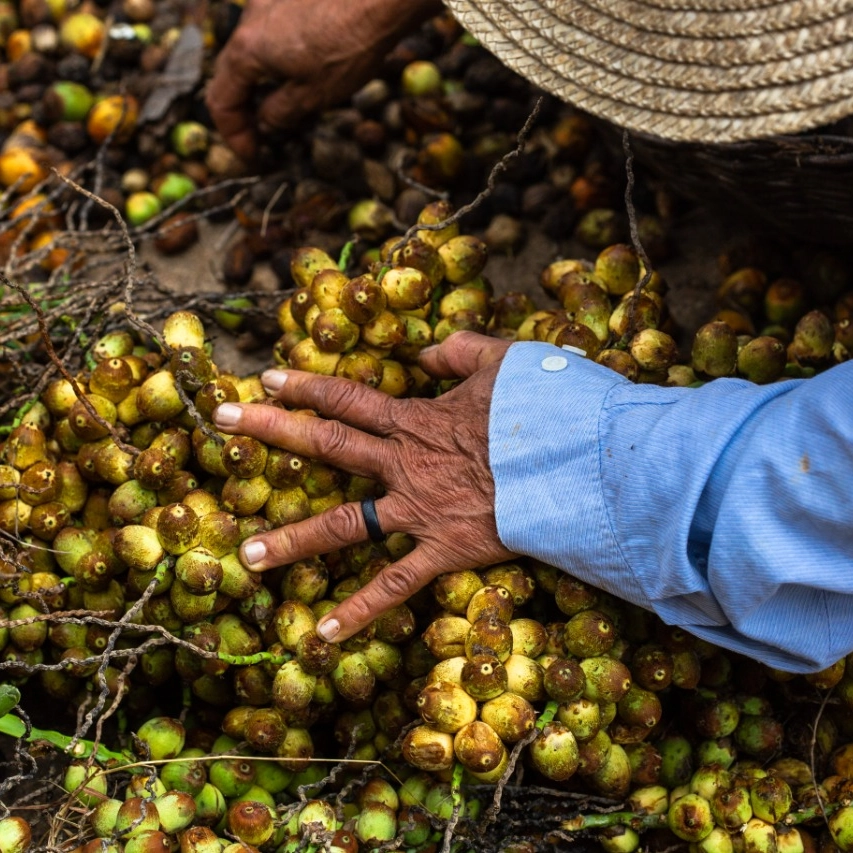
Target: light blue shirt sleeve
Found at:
726, 509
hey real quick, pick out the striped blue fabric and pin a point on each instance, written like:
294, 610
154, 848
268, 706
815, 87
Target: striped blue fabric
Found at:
726, 509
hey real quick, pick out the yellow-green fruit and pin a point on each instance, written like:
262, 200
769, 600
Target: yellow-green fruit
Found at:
15, 835
88, 425
88, 784
554, 753
158, 398
478, 747
183, 329
511, 716
464, 258
446, 707
428, 749
689, 818
138, 547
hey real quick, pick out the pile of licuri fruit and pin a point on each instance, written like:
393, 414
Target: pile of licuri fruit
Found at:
764, 330
128, 503
371, 327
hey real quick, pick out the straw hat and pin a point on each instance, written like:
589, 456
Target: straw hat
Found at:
697, 70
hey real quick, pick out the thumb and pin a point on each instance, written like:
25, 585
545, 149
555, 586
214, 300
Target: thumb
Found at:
462, 354
284, 108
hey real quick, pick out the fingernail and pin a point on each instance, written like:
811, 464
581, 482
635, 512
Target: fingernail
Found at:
273, 380
227, 415
254, 552
429, 349
328, 630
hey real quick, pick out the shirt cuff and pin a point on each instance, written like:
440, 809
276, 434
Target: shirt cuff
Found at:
545, 456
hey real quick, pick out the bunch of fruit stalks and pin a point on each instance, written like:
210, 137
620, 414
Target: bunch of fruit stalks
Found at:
81, 282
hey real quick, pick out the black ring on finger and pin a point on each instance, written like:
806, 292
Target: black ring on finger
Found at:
371, 520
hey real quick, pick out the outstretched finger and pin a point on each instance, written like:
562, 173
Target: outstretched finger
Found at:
351, 402
330, 441
335, 528
462, 354
393, 585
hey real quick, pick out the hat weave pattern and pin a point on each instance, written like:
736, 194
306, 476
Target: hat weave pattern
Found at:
703, 71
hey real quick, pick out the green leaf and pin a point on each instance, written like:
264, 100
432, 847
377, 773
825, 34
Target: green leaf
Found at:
9, 697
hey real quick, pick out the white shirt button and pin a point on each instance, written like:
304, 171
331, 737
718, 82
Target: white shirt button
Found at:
554, 363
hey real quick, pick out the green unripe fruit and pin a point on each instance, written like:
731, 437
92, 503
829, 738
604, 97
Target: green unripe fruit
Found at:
529, 637
762, 360
581, 716
173, 187
87, 784
421, 78
770, 798
618, 267
714, 350
607, 680
370, 219
589, 633
619, 839
148, 841
554, 753
385, 331
251, 822
326, 288
188, 776
141, 206
759, 837
731, 808
292, 687
232, 776
354, 679
162, 736
689, 818
83, 423
245, 497
190, 138
639, 707
313, 816
676, 760
68, 101
199, 571
292, 620
758, 735
137, 815
103, 818
210, 810
177, 527
376, 824
176, 809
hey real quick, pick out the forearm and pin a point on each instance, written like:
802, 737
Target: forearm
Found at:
690, 502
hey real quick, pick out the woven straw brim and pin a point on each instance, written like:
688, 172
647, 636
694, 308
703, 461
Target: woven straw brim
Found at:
688, 70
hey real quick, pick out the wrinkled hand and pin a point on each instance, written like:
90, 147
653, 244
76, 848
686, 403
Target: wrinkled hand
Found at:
316, 53
431, 456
